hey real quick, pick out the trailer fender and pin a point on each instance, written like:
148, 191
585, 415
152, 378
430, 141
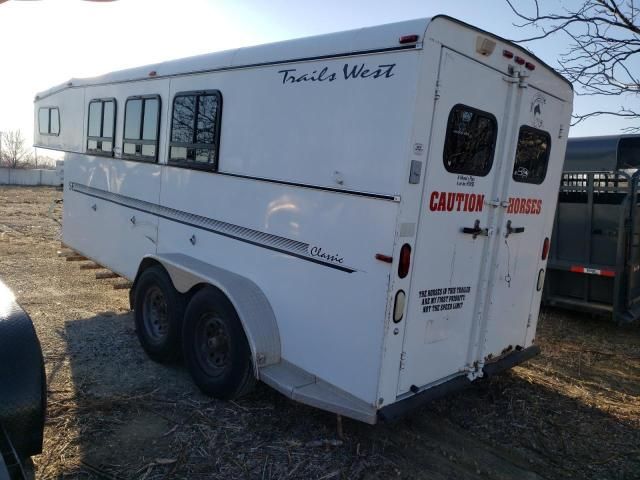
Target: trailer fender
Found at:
251, 304
22, 378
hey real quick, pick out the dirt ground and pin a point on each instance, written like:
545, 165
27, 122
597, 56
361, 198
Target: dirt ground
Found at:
573, 412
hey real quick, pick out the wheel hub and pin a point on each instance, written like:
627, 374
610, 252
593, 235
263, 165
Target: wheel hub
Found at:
155, 315
213, 345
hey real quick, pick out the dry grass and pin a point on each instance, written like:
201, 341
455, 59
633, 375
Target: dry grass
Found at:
574, 412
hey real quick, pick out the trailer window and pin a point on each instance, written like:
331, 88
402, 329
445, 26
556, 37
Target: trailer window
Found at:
195, 129
100, 133
141, 124
532, 155
49, 121
470, 141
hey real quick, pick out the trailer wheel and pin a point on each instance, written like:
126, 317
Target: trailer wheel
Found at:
215, 346
159, 310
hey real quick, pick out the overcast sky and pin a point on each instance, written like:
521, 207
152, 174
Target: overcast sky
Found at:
47, 42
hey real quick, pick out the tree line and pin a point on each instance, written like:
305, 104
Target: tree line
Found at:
16, 153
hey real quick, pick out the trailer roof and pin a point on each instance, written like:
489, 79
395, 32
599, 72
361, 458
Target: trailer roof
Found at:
366, 39
607, 152
363, 40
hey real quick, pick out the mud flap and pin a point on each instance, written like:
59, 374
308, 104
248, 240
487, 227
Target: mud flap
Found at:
22, 379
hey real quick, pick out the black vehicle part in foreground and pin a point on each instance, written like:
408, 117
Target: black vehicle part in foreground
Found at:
22, 389
594, 260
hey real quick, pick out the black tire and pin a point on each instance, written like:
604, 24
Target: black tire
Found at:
215, 346
159, 311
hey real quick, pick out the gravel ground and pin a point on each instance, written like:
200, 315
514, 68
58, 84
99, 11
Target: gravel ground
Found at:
573, 412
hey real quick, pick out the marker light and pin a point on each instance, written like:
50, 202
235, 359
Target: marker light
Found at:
408, 39
529, 66
519, 60
540, 282
484, 45
507, 54
405, 260
545, 248
398, 306
153, 73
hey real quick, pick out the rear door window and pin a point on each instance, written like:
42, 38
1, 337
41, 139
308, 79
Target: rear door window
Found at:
532, 155
470, 141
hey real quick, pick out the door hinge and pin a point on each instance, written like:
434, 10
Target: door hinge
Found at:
437, 92
474, 371
403, 357
561, 131
493, 203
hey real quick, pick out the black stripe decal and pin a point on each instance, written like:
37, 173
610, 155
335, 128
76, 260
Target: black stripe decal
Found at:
379, 196
269, 241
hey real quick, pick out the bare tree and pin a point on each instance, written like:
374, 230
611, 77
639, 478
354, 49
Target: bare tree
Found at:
603, 47
15, 153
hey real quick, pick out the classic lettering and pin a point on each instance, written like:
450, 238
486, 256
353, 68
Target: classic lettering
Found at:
318, 252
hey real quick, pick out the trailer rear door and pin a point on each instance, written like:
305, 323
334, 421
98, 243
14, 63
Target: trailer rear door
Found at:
449, 275
529, 196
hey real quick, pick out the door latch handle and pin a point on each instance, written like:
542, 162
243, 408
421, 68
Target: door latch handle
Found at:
511, 229
476, 230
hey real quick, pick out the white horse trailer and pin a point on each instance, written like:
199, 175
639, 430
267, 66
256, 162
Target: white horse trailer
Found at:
359, 220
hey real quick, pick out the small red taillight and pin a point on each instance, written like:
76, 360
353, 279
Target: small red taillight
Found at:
529, 66
519, 60
405, 260
507, 54
408, 39
545, 248
152, 73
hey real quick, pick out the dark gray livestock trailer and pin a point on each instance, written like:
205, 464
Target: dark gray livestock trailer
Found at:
594, 261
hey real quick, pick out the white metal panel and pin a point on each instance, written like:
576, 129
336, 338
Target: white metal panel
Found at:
306, 132
70, 104
330, 321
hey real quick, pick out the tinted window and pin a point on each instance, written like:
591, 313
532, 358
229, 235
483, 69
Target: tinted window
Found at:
195, 128
470, 141
184, 110
206, 119
43, 120
54, 121
532, 156
108, 112
141, 128
102, 115
150, 123
48, 121
95, 118
132, 114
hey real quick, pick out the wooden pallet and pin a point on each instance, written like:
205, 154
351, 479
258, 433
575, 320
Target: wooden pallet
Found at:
71, 255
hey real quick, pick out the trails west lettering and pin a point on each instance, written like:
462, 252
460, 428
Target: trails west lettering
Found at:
360, 70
